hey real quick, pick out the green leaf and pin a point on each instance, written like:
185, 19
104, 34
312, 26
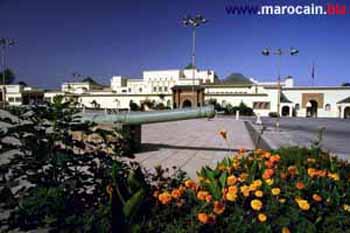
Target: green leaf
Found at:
132, 205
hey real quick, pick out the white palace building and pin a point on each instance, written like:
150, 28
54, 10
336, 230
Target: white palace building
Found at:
178, 89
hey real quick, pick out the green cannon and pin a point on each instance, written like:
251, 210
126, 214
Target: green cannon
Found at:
131, 122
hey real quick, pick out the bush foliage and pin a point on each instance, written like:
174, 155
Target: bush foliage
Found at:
67, 176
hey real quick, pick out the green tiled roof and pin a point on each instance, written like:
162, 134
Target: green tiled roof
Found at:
344, 101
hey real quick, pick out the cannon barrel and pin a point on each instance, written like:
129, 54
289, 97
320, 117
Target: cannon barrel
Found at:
140, 118
130, 123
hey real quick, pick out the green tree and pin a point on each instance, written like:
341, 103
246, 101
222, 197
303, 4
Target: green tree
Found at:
22, 83
90, 80
9, 76
346, 84
189, 66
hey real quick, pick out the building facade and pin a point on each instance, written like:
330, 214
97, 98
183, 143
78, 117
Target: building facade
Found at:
192, 88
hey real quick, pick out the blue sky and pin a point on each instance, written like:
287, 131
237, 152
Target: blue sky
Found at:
113, 37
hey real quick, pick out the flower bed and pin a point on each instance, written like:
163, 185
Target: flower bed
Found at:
291, 190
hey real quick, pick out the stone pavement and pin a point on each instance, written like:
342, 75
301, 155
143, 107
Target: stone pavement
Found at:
191, 144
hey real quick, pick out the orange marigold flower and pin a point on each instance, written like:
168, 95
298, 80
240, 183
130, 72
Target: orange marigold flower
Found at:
292, 170
317, 197
202, 195
285, 230
219, 207
269, 164
266, 155
223, 134
176, 193
231, 180
268, 173
283, 175
262, 217
346, 207
190, 184
275, 158
164, 198
203, 218
232, 189
300, 185
256, 204
231, 196
242, 150
243, 177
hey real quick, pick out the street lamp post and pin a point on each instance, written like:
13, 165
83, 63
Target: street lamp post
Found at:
279, 53
4, 44
193, 22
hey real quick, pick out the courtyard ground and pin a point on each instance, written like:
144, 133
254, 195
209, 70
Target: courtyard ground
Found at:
190, 144
303, 131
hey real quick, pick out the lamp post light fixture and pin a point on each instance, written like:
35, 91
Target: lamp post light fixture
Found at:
279, 52
4, 44
193, 22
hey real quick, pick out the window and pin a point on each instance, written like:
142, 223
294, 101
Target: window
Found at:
297, 107
129, 89
11, 99
18, 99
160, 89
155, 89
165, 88
328, 107
261, 105
123, 91
140, 89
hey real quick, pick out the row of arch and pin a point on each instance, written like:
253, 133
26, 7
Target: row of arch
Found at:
312, 110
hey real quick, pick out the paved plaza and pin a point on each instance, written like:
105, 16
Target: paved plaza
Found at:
303, 131
190, 144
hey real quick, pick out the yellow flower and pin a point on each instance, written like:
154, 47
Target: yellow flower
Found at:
231, 180
245, 190
275, 191
256, 204
346, 207
262, 217
303, 204
282, 200
230, 196
269, 182
311, 160
311, 171
285, 230
258, 193
334, 176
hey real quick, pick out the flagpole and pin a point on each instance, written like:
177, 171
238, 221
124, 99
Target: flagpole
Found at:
313, 73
